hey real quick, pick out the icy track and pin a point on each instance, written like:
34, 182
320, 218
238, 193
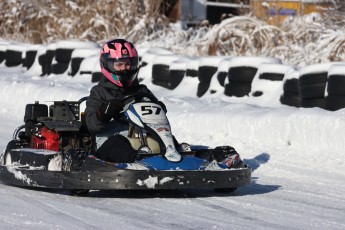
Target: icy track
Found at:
297, 156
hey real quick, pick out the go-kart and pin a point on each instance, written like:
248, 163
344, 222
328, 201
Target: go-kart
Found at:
54, 149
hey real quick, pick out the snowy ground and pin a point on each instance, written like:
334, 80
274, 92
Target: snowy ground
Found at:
297, 156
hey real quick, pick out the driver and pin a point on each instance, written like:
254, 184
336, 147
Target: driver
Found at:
119, 65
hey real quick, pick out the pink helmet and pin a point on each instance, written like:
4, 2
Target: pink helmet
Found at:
119, 50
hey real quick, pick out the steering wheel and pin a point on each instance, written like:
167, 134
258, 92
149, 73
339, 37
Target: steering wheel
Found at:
137, 97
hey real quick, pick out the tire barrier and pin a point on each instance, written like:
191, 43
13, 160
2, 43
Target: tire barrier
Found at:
335, 89
259, 79
241, 73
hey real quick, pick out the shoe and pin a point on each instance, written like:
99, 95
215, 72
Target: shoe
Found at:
227, 155
184, 147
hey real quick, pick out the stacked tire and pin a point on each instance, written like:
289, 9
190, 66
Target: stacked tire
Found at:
161, 71
312, 85
241, 73
30, 55
63, 54
45, 58
78, 55
3, 46
14, 55
208, 66
335, 90
267, 83
290, 94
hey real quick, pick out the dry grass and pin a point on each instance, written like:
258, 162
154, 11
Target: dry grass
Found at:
298, 42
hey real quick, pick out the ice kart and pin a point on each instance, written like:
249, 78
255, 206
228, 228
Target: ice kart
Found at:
53, 149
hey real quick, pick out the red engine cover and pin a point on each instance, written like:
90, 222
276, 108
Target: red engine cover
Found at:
46, 139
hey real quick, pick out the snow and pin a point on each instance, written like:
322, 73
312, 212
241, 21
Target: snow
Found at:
297, 156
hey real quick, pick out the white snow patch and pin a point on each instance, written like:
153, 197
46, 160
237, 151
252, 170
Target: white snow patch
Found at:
149, 182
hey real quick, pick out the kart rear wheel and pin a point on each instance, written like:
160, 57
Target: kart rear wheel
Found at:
225, 190
8, 159
78, 192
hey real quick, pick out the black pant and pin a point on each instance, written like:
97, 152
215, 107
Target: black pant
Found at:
117, 149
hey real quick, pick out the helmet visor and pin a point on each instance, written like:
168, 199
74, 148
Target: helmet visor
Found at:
122, 65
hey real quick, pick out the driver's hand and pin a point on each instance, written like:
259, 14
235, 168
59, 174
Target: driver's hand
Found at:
109, 109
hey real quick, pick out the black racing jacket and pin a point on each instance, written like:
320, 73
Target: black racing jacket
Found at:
102, 93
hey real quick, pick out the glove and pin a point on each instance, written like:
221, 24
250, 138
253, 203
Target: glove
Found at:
109, 109
163, 106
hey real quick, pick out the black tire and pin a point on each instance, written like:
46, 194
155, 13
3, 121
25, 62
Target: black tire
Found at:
96, 76
205, 76
192, 73
257, 93
336, 85
63, 55
59, 68
312, 91
242, 74
334, 102
176, 76
160, 72
6, 157
311, 103
221, 76
237, 89
291, 85
312, 78
290, 99
30, 58
45, 61
2, 56
272, 76
165, 84
75, 65
13, 58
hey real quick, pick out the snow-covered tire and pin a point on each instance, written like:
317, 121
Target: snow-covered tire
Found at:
176, 76
96, 77
336, 85
59, 68
205, 76
63, 55
237, 89
291, 85
313, 91
291, 99
242, 73
335, 102
221, 76
75, 65
313, 78
30, 58
192, 72
272, 76
13, 58
310, 103
2, 56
